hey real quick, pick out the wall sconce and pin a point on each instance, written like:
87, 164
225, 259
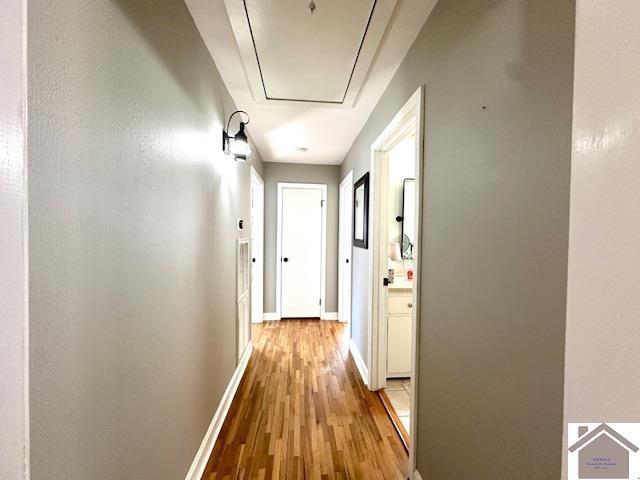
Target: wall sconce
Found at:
237, 145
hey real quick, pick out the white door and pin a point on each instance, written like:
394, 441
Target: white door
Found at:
301, 251
257, 247
344, 249
244, 322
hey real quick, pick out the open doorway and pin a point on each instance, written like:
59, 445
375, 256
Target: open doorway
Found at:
399, 223
396, 177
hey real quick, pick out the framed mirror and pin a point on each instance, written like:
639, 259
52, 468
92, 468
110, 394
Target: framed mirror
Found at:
408, 217
361, 212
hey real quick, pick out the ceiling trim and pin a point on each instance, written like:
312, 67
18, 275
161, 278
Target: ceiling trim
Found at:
379, 17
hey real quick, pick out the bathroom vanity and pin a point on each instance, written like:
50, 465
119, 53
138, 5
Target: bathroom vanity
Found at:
399, 311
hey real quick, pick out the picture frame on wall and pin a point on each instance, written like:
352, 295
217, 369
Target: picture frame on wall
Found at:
361, 212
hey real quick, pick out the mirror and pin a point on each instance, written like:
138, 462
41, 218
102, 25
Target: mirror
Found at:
408, 217
361, 212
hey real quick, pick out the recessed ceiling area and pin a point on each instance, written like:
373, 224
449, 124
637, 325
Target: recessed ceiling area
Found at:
313, 58
307, 79
292, 55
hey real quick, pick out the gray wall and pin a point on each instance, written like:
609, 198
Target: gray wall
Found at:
299, 173
13, 278
495, 231
603, 306
132, 250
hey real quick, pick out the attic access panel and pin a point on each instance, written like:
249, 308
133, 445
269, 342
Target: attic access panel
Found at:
291, 55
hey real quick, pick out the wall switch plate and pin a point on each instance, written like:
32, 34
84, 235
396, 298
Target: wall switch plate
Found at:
240, 224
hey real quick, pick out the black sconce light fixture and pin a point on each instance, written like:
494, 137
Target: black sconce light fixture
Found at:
237, 145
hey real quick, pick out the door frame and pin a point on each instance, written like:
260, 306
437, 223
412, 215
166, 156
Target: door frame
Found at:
323, 281
344, 237
411, 115
255, 177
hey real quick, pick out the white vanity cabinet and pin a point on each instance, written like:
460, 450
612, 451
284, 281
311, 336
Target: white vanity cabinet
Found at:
399, 327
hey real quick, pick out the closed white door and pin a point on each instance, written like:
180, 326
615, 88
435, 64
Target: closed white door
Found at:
244, 320
344, 248
257, 247
301, 252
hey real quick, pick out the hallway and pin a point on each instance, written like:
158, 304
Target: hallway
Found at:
319, 239
302, 411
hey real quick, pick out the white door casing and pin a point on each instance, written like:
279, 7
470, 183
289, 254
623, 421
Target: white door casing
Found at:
257, 247
411, 116
345, 247
301, 250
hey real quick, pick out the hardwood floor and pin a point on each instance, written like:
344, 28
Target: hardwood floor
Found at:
302, 412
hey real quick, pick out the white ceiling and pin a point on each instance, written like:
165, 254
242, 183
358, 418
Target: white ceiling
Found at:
307, 80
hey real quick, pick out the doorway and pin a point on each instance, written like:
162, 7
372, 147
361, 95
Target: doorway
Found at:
397, 172
256, 192
301, 250
345, 249
396, 160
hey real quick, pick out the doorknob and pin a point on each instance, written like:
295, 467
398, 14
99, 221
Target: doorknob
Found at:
285, 259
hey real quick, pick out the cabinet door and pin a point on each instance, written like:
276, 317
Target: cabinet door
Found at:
399, 345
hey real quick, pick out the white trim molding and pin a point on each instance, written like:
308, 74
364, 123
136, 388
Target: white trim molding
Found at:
206, 447
271, 316
360, 363
329, 316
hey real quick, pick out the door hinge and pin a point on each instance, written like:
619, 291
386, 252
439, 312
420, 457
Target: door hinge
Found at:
320, 302
321, 203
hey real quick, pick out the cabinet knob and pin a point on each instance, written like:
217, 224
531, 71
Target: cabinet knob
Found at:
410, 305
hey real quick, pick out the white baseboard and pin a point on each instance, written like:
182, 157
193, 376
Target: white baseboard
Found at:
360, 363
206, 447
329, 316
271, 316
416, 475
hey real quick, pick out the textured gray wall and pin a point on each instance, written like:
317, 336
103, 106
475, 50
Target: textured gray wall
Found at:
132, 250
13, 277
299, 173
495, 234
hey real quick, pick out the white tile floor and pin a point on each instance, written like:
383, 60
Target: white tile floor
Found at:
397, 391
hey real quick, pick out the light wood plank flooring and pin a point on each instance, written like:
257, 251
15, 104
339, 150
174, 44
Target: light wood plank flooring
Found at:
302, 412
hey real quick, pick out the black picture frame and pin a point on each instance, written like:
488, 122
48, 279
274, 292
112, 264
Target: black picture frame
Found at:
361, 238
